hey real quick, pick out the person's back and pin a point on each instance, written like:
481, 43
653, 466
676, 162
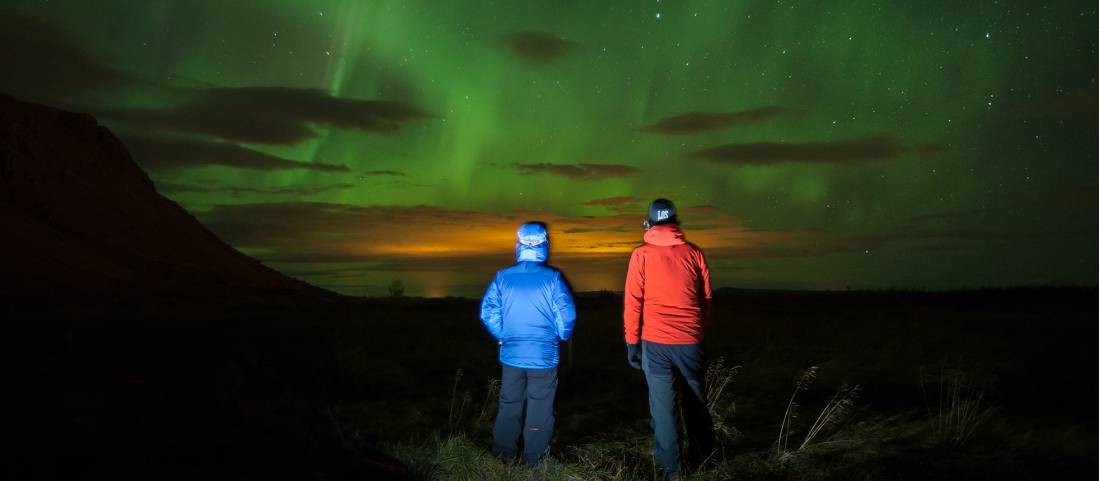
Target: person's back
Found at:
528, 296
528, 308
670, 289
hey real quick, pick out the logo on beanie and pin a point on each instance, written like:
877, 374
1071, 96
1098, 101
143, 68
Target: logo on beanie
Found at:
662, 214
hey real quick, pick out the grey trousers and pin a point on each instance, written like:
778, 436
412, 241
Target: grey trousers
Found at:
533, 389
667, 366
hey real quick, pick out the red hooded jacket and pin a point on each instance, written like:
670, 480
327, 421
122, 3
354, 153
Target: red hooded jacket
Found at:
667, 293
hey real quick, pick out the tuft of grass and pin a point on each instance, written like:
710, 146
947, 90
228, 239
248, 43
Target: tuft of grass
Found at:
959, 406
456, 413
454, 457
460, 458
489, 404
464, 415
804, 381
718, 379
832, 414
612, 460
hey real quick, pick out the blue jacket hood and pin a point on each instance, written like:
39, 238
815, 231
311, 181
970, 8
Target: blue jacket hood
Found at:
532, 242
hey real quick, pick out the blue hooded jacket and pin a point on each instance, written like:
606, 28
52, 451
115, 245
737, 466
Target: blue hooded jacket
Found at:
528, 307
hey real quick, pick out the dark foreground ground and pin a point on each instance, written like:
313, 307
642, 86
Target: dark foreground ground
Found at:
991, 384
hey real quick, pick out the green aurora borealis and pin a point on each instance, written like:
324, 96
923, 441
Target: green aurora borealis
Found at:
809, 144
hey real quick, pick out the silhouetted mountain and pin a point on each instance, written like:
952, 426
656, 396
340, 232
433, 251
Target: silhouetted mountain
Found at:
82, 222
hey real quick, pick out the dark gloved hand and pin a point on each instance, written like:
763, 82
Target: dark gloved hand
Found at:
634, 356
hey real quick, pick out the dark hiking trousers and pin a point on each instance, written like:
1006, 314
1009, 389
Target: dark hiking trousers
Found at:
666, 366
535, 388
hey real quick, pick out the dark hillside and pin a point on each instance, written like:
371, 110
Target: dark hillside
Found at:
82, 220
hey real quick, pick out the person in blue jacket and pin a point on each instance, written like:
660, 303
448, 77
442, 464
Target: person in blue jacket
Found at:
529, 309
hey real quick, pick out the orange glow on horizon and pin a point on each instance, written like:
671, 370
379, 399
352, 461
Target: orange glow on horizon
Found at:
484, 234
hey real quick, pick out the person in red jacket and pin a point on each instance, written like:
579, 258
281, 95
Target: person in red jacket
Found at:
666, 301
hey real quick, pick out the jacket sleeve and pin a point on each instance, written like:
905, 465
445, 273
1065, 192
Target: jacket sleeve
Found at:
565, 313
633, 298
704, 275
491, 315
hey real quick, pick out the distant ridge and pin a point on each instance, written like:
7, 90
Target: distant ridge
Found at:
725, 292
82, 222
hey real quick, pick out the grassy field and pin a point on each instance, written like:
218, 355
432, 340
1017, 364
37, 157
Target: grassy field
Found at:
992, 384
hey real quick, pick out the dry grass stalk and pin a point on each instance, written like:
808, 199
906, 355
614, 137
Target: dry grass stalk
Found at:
959, 407
804, 381
457, 405
833, 412
718, 379
492, 391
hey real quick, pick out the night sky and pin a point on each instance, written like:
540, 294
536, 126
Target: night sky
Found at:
819, 145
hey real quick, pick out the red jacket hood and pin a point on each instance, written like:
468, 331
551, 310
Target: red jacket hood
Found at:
664, 235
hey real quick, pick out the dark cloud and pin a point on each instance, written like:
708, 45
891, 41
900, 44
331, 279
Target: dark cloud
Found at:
299, 190
348, 230
694, 122
1071, 197
579, 171
624, 203
614, 201
585, 230
289, 232
537, 48
388, 178
169, 154
392, 173
269, 115
44, 64
949, 216
852, 151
